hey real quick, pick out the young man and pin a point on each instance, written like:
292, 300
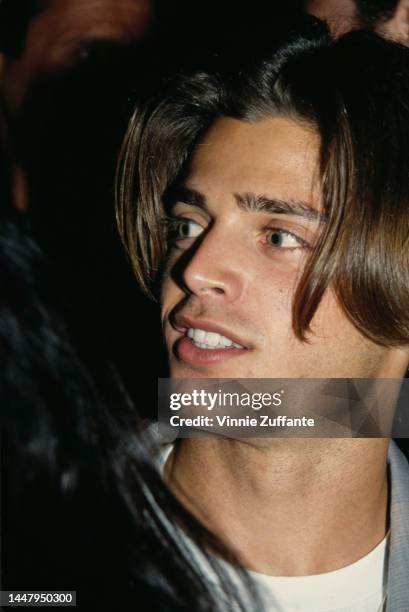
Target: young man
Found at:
273, 198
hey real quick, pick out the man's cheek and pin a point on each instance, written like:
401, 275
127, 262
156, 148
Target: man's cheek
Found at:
169, 273
168, 289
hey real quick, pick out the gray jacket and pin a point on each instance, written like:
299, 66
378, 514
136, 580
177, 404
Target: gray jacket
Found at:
398, 569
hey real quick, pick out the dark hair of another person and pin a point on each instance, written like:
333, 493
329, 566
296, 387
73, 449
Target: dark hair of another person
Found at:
83, 506
354, 93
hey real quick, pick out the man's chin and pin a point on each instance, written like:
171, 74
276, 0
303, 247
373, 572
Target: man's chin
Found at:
185, 371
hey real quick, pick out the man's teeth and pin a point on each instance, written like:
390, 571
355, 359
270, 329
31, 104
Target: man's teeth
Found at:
210, 340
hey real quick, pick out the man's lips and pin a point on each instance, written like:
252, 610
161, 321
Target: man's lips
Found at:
186, 350
182, 323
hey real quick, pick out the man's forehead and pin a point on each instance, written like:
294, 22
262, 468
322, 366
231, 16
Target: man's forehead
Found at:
276, 158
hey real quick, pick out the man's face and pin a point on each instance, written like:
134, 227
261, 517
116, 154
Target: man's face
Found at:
248, 215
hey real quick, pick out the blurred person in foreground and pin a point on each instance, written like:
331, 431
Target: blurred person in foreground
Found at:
83, 506
270, 200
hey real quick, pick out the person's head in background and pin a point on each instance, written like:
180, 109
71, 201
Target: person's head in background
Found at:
387, 17
40, 36
69, 68
42, 39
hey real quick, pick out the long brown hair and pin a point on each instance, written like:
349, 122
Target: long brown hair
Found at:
355, 93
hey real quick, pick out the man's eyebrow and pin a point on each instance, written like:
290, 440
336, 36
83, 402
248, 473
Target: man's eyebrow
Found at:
250, 202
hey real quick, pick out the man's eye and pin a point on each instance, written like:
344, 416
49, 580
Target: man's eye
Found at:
281, 238
183, 228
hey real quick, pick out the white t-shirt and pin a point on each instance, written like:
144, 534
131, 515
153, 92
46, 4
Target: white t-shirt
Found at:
359, 587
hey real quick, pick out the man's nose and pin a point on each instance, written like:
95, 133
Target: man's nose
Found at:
214, 268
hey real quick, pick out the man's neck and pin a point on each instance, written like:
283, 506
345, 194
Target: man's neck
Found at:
292, 507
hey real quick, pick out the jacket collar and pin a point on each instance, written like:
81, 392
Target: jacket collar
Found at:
398, 567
